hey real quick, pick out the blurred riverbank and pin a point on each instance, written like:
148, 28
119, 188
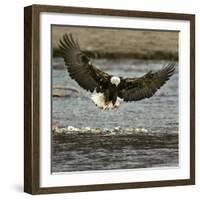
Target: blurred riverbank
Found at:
121, 43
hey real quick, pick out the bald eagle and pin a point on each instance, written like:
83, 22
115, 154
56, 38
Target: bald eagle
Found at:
109, 91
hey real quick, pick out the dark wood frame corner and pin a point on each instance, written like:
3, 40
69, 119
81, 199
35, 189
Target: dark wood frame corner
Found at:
32, 104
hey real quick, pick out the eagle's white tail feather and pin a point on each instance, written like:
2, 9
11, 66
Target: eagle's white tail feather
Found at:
99, 100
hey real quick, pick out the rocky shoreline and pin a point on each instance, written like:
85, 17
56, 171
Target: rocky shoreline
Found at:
103, 131
115, 130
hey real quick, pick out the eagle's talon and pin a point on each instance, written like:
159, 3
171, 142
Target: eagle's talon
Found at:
106, 103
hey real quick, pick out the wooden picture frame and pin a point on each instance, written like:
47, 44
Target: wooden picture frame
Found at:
32, 106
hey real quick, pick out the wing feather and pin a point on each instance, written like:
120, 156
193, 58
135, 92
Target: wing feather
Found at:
134, 89
78, 64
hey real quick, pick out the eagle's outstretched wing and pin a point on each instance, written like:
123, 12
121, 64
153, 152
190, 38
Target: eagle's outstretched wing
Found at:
79, 65
134, 89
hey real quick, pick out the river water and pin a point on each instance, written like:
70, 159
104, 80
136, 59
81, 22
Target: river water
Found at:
155, 146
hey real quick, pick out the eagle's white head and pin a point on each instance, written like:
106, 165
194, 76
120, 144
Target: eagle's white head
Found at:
115, 80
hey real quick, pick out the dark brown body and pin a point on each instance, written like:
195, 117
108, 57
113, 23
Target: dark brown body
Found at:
111, 93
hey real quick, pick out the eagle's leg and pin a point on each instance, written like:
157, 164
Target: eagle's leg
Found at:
114, 99
110, 99
106, 96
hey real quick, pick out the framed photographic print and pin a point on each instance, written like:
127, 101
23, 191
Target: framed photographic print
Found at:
109, 99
